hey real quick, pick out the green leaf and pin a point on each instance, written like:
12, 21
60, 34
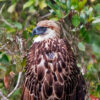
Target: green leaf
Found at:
90, 65
90, 14
58, 12
84, 34
96, 24
61, 4
69, 4
97, 8
96, 48
49, 3
96, 20
1, 85
28, 4
74, 4
25, 35
18, 25
79, 65
17, 92
4, 59
82, 4
18, 64
83, 18
9, 37
42, 4
2, 68
11, 9
75, 20
52, 6
81, 46
98, 88
23, 63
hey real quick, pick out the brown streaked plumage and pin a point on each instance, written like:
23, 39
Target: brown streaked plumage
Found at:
51, 70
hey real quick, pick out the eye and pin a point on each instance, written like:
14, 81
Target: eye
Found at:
41, 28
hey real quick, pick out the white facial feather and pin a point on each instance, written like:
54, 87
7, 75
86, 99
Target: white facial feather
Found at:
48, 34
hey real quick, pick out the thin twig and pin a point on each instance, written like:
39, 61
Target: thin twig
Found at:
3, 46
6, 50
18, 81
2, 96
20, 42
45, 16
1, 9
6, 22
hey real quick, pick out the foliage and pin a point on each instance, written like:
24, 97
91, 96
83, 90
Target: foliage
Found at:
81, 20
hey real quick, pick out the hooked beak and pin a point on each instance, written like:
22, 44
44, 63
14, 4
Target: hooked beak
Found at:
39, 30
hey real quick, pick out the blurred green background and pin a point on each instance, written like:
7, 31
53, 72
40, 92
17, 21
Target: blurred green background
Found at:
81, 22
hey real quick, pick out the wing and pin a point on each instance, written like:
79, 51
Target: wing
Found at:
81, 88
51, 72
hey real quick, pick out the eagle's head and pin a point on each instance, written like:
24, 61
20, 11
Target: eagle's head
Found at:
46, 29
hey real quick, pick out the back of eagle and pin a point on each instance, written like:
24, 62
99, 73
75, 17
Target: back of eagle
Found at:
52, 73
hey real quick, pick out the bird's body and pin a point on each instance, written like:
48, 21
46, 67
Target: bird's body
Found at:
51, 71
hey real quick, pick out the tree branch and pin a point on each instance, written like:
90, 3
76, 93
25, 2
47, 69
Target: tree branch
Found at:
2, 96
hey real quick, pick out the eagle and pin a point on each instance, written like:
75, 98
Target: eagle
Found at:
51, 68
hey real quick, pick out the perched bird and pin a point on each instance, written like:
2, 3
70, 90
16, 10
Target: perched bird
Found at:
51, 69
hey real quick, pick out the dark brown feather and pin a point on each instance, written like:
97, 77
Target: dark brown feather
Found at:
51, 73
